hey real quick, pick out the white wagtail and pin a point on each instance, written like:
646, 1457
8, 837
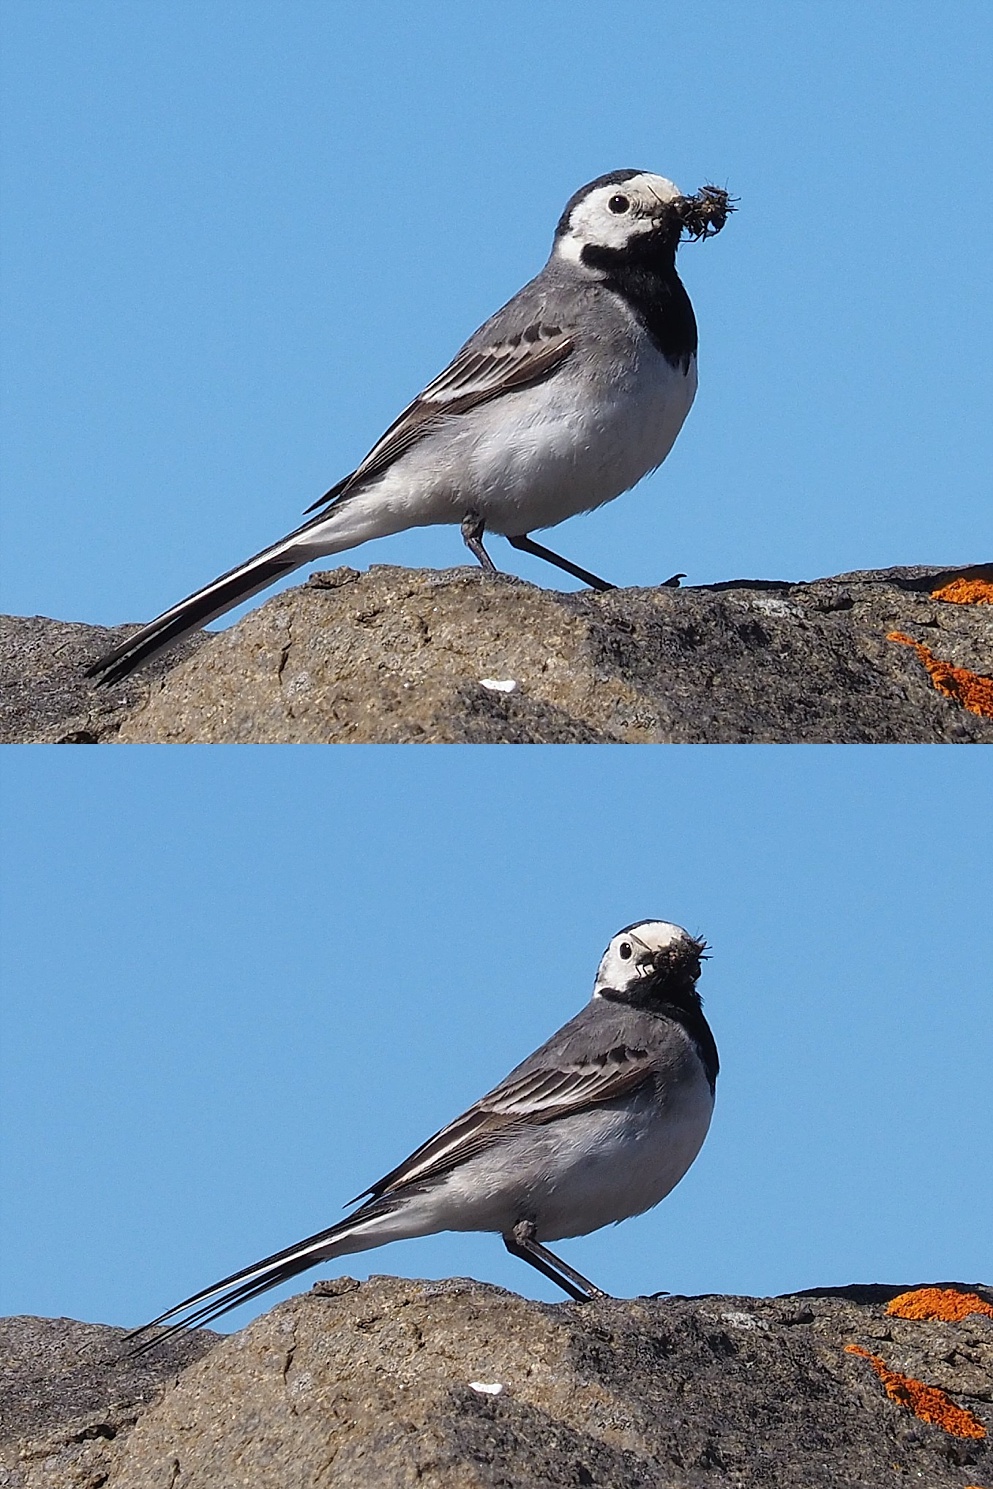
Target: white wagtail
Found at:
562, 400
597, 1125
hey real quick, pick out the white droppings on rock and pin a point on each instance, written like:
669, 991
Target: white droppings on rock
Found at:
498, 684
739, 1320
773, 605
487, 1387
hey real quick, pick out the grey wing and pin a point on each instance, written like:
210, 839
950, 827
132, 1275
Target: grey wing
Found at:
532, 1097
490, 364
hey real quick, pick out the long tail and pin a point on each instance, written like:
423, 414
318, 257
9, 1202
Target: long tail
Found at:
206, 604
255, 574
203, 1307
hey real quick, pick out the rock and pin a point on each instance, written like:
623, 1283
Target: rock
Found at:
68, 1398
45, 696
459, 656
457, 1385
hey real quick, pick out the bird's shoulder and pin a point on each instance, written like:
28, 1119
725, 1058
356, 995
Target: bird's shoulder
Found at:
598, 1026
613, 1039
558, 297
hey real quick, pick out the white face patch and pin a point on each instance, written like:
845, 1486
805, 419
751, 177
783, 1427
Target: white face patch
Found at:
594, 221
630, 954
658, 934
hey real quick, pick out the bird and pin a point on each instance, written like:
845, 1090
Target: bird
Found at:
599, 1124
561, 401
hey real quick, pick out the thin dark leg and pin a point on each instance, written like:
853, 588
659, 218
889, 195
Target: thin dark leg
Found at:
472, 536
533, 1260
528, 545
521, 1243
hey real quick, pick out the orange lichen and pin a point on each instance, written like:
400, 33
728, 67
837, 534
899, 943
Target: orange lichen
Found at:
938, 1302
926, 1402
965, 592
971, 689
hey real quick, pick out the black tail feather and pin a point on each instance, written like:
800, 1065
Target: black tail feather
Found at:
235, 1296
269, 1266
226, 592
211, 1302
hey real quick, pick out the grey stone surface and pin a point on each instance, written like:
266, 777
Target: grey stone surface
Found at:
378, 1385
69, 1396
410, 656
45, 697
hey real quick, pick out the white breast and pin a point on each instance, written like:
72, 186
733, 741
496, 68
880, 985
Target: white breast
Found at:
577, 441
625, 1162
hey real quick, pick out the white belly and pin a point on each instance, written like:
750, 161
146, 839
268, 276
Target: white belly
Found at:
625, 1166
547, 459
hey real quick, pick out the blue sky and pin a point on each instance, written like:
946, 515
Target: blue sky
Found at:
241, 984
239, 236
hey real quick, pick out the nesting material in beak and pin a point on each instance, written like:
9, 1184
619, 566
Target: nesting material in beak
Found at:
703, 215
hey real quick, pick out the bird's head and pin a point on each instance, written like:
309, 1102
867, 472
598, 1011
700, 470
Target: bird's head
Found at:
650, 963
636, 215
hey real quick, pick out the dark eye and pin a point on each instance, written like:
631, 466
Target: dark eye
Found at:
619, 204
624, 950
